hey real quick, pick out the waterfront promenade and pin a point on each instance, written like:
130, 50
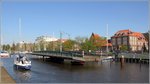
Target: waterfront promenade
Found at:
5, 77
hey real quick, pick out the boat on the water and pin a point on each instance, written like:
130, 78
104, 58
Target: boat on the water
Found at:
76, 62
21, 62
4, 54
108, 59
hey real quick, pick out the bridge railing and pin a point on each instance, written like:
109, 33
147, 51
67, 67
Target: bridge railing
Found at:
134, 55
63, 53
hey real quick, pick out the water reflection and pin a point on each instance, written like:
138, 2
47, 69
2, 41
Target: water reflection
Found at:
91, 72
22, 75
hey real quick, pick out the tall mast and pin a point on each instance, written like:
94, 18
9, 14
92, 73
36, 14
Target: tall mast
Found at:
20, 44
107, 38
19, 29
1, 33
0, 41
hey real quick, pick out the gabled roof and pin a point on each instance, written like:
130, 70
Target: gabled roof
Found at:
128, 32
95, 35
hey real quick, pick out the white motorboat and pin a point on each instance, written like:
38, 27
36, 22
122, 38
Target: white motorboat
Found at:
4, 54
107, 59
21, 62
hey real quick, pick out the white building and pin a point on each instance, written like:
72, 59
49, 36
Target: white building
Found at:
45, 39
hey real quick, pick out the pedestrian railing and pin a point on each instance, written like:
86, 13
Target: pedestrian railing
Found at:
134, 55
57, 53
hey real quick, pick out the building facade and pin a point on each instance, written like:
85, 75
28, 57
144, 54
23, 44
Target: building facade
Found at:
133, 41
45, 39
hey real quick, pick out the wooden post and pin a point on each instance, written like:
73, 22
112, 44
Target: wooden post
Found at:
127, 60
43, 58
83, 53
122, 62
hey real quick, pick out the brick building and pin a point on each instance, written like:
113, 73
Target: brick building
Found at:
134, 41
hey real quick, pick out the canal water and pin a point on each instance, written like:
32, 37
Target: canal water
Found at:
91, 72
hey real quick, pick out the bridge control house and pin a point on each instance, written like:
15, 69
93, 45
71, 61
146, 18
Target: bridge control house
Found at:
133, 41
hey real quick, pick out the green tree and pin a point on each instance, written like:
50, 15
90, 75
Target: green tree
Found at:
79, 41
13, 48
97, 41
68, 45
7, 47
49, 46
124, 48
88, 45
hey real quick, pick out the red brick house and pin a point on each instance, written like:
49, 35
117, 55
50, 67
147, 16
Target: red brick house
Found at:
135, 41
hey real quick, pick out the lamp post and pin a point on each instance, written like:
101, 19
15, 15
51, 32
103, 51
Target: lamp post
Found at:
60, 42
61, 33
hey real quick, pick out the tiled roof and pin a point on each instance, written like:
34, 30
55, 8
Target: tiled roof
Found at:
138, 34
128, 33
95, 35
127, 30
123, 33
109, 44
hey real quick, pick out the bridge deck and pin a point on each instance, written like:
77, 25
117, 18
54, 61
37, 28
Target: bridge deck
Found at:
64, 55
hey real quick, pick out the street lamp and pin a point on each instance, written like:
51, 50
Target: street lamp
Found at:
61, 33
60, 42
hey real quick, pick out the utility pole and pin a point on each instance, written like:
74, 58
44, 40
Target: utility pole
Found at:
53, 43
68, 35
61, 33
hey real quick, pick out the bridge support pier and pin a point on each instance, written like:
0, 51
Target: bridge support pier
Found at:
55, 59
43, 58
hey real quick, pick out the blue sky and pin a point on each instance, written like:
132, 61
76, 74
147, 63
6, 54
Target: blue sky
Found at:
74, 18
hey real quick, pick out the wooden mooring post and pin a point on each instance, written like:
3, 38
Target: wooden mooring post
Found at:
43, 58
122, 62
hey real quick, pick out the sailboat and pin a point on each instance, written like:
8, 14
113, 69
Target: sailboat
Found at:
107, 58
3, 54
21, 61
